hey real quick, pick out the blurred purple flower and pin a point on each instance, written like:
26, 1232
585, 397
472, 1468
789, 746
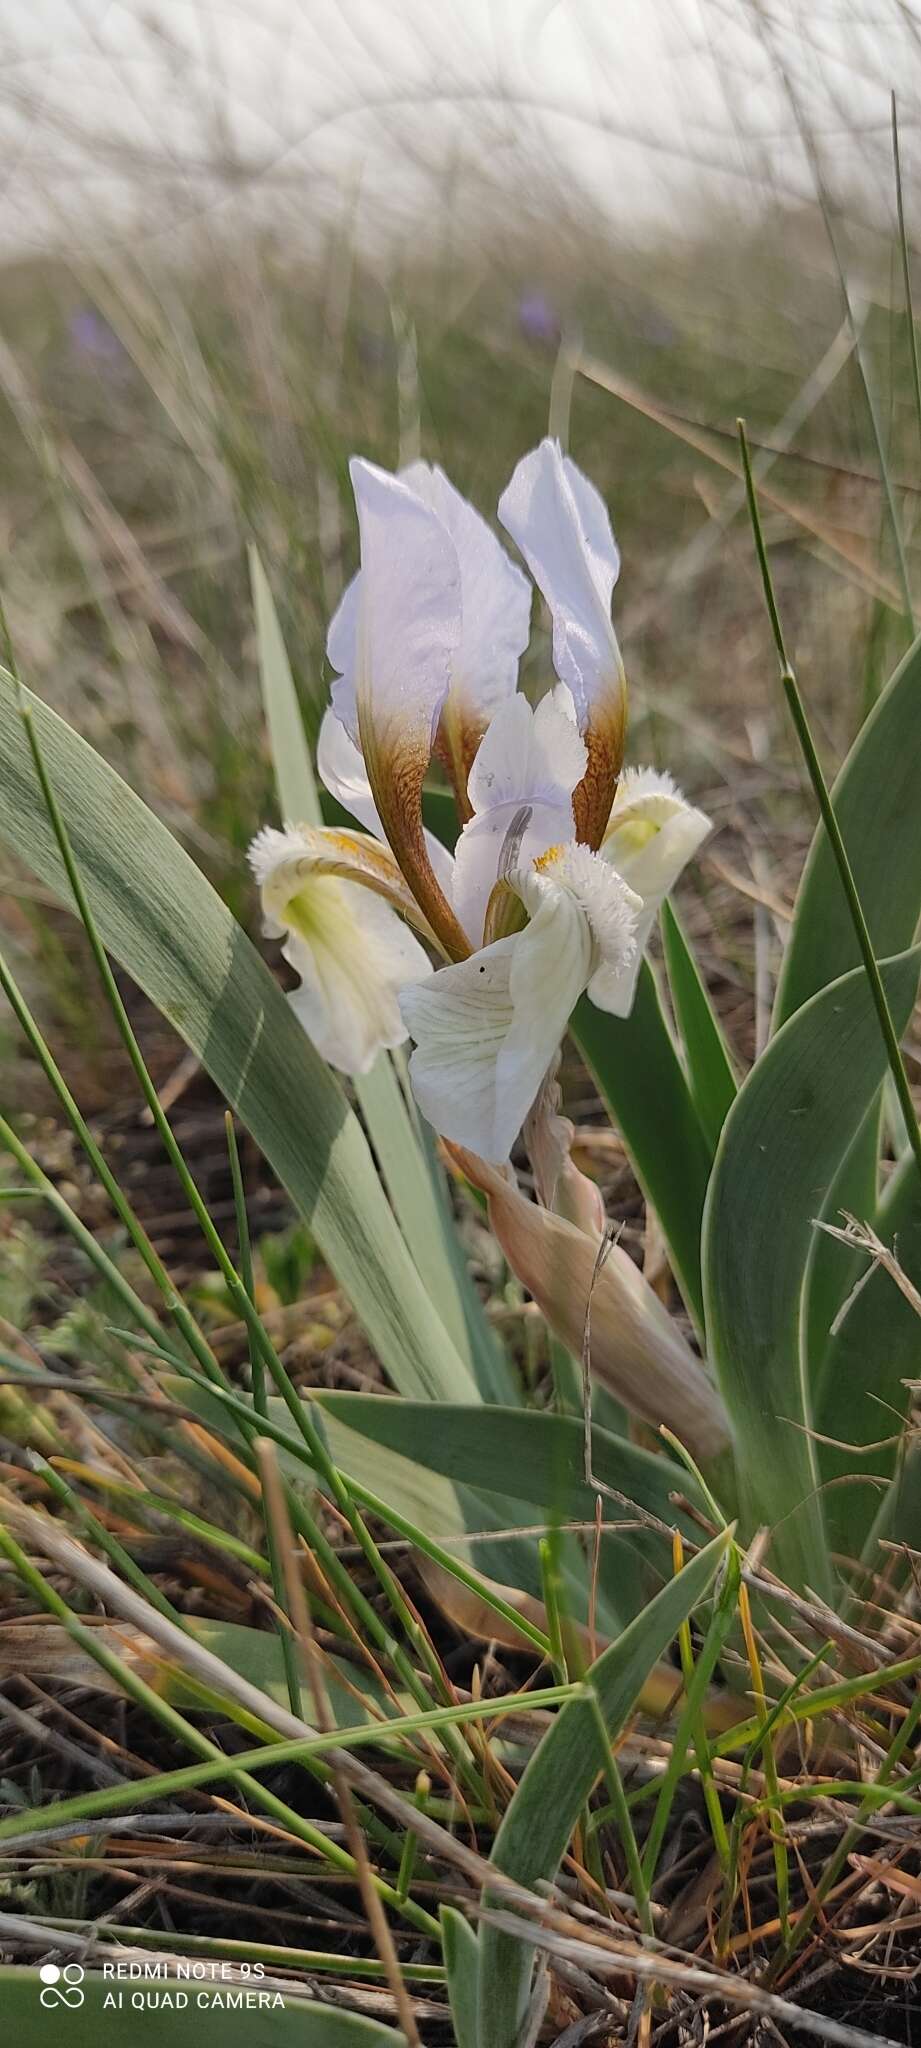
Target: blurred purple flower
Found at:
92, 337
538, 319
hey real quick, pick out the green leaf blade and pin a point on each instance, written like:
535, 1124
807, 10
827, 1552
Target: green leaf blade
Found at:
862, 1398
537, 1456
297, 787
783, 1143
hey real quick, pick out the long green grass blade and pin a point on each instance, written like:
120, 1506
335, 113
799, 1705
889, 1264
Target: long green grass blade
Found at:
710, 1072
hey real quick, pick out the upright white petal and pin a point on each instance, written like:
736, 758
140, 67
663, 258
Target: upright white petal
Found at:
652, 834
562, 528
487, 1030
560, 523
403, 623
495, 603
342, 653
341, 768
520, 786
395, 635
351, 949
529, 753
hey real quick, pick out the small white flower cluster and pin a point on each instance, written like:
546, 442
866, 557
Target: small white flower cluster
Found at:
561, 863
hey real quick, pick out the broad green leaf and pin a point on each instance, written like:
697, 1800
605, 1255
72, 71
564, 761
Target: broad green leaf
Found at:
637, 1070
461, 1951
782, 1145
540, 1455
481, 1453
862, 1397
298, 2021
832, 1267
876, 803
163, 921
546, 1807
406, 1171
710, 1073
462, 1517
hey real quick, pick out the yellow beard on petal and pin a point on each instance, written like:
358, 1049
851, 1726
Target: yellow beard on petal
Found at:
548, 858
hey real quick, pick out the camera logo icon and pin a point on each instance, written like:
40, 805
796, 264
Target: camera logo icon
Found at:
62, 1986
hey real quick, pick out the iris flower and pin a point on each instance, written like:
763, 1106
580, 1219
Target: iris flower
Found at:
562, 861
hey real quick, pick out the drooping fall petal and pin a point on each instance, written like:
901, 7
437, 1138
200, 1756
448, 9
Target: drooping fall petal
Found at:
651, 835
330, 896
634, 1346
561, 525
487, 1030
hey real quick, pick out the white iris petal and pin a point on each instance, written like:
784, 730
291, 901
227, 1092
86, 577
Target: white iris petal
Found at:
652, 834
520, 786
341, 768
612, 910
399, 621
561, 525
487, 1030
482, 602
352, 951
495, 600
